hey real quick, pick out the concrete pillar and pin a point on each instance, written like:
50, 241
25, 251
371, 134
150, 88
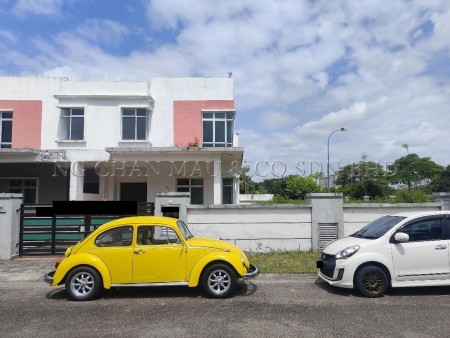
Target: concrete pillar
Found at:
9, 225
76, 181
443, 198
325, 208
217, 183
170, 200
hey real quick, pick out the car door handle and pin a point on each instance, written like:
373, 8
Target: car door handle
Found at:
440, 247
139, 252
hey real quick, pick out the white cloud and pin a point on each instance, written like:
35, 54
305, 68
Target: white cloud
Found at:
275, 120
41, 7
106, 31
7, 35
338, 119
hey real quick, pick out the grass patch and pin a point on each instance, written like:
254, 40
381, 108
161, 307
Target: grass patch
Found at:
285, 261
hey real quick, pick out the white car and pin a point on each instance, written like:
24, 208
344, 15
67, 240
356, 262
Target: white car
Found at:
401, 250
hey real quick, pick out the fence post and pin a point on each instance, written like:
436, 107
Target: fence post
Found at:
53, 245
325, 208
22, 212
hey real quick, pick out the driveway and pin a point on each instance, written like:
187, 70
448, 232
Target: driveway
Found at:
268, 306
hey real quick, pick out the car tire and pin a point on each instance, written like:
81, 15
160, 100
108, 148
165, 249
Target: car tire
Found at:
83, 283
219, 281
371, 281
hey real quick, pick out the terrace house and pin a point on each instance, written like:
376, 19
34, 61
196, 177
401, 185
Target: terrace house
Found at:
119, 140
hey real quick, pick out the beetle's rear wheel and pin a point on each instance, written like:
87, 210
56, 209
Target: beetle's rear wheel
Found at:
219, 281
83, 283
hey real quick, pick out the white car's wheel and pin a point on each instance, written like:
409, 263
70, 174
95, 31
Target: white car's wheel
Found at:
371, 281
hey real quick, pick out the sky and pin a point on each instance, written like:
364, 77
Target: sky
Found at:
302, 68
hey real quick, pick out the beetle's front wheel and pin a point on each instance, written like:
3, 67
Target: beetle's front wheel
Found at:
219, 281
83, 283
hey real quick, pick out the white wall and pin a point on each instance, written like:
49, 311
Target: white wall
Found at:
255, 228
281, 227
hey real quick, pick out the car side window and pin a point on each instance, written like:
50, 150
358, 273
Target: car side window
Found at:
120, 236
424, 230
156, 235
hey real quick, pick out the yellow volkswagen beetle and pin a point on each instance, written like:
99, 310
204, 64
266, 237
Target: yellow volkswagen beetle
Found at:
149, 251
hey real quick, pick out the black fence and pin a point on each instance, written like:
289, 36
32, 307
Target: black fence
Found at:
53, 234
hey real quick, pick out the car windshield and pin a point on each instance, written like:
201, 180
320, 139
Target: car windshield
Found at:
184, 230
379, 227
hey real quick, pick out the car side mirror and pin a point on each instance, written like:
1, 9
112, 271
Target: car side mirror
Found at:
401, 237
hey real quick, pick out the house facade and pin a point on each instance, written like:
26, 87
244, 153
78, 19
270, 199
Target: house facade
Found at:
117, 140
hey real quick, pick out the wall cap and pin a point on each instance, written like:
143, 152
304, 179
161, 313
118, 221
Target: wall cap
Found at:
7, 196
250, 206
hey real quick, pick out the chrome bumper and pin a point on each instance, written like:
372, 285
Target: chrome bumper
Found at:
252, 272
48, 278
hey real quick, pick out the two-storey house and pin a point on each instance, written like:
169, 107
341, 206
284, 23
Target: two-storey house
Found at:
119, 140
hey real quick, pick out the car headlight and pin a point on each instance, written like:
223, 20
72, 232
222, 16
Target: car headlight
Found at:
347, 252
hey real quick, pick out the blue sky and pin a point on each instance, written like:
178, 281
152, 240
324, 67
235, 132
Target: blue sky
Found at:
302, 69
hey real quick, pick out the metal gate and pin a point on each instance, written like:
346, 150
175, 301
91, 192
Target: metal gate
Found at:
327, 232
53, 235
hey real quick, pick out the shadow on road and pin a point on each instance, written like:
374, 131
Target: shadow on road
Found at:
334, 290
391, 292
243, 289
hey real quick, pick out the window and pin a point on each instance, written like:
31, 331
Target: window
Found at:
156, 235
121, 236
5, 129
134, 124
424, 230
192, 185
27, 187
218, 128
227, 188
72, 124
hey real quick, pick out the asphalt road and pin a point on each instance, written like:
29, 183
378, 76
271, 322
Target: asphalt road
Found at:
268, 306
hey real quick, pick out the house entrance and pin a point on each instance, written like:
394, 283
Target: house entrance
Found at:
133, 192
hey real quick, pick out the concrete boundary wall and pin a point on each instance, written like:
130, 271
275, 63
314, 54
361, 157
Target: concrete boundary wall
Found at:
263, 228
254, 227
258, 228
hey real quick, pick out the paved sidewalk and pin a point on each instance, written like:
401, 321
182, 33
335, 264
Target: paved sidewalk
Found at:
26, 269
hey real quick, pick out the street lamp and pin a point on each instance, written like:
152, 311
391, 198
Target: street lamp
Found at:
328, 162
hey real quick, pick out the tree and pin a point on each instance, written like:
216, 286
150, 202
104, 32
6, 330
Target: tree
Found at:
441, 183
247, 186
274, 186
414, 171
292, 187
365, 178
297, 187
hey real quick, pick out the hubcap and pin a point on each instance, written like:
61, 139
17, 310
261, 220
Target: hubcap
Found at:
219, 281
372, 282
82, 283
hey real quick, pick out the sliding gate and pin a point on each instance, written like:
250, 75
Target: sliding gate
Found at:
53, 235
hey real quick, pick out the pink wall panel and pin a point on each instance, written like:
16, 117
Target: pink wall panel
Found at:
27, 122
187, 118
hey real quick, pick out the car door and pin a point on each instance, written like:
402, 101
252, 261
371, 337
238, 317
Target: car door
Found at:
159, 255
114, 247
426, 255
